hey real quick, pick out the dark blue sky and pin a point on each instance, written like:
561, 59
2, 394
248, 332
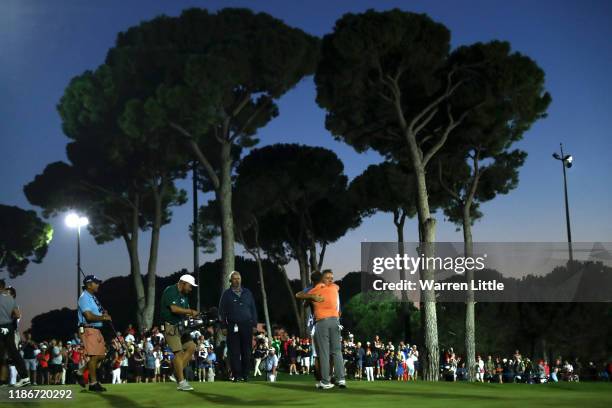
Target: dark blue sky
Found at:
43, 44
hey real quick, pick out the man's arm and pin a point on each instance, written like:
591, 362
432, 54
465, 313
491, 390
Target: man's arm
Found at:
307, 295
16, 313
96, 318
183, 311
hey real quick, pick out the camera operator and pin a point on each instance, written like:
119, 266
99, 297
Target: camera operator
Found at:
174, 307
8, 313
91, 316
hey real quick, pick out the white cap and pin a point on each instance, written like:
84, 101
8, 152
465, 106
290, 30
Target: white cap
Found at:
189, 279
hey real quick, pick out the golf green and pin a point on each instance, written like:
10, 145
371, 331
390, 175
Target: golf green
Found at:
300, 392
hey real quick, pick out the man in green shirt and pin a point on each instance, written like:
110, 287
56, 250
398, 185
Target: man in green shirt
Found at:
174, 306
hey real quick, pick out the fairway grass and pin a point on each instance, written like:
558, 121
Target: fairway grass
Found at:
300, 392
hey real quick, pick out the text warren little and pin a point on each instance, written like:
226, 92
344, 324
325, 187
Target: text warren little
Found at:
476, 285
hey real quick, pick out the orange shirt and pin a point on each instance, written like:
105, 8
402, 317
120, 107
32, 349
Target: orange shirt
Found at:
329, 307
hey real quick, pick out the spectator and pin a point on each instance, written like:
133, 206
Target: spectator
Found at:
150, 362
480, 369
359, 360
489, 369
271, 364
138, 364
292, 356
259, 354
165, 367
116, 365
499, 370
368, 363
201, 357
211, 360
29, 356
410, 366
306, 356
415, 355
43, 365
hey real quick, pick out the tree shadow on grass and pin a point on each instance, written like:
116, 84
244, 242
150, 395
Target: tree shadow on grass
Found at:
370, 392
118, 401
219, 399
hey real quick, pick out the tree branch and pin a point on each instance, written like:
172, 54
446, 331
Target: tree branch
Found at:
426, 121
198, 153
106, 191
250, 119
475, 179
452, 124
241, 104
450, 89
451, 192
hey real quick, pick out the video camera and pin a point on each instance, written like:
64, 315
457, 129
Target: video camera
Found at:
203, 320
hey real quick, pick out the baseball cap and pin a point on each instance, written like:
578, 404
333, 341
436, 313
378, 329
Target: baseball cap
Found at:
189, 279
91, 278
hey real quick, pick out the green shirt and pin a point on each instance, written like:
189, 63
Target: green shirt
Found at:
172, 296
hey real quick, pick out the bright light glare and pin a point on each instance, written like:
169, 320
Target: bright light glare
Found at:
74, 221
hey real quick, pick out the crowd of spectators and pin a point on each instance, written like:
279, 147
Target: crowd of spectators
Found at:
145, 357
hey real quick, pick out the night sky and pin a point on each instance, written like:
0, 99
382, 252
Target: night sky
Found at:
43, 44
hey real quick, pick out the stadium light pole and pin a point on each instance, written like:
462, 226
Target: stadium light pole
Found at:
566, 162
73, 220
196, 243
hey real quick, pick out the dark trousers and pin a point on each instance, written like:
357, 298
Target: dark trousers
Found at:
239, 348
7, 345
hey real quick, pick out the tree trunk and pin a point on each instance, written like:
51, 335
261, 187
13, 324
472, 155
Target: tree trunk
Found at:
153, 254
314, 263
257, 254
427, 225
224, 197
321, 256
399, 221
470, 324
297, 311
132, 247
264, 296
304, 266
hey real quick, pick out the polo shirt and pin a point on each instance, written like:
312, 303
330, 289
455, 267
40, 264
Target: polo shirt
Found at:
330, 307
7, 305
172, 296
89, 303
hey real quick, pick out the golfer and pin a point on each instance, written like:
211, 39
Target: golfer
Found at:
325, 297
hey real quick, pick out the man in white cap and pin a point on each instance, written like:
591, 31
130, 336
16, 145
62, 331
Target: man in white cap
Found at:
174, 306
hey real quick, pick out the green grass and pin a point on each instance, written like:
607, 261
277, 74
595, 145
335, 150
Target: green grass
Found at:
300, 392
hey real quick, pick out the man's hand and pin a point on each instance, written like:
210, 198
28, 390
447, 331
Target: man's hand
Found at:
193, 312
318, 298
106, 317
4, 331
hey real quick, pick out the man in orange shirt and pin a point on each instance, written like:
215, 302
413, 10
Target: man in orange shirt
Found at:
325, 297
